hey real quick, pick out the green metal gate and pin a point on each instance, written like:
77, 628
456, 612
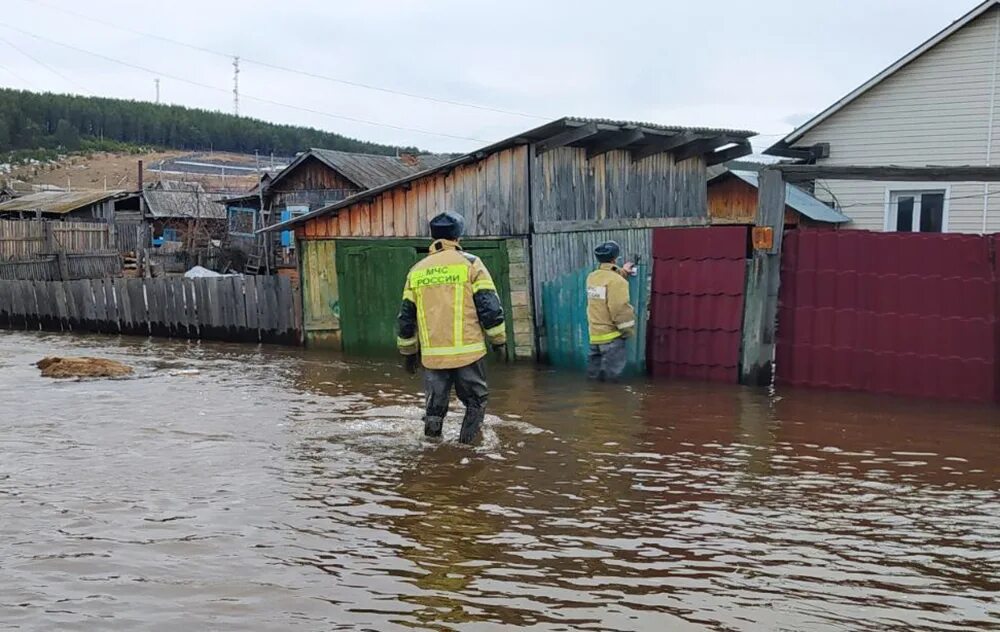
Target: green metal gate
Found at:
371, 273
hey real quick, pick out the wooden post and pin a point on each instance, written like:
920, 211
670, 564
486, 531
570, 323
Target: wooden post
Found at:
763, 280
49, 236
63, 265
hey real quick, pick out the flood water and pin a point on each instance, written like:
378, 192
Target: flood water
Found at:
281, 489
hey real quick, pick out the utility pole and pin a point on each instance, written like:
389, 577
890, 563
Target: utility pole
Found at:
157, 82
236, 85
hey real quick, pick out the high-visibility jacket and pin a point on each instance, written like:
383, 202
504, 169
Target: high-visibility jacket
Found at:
449, 303
609, 314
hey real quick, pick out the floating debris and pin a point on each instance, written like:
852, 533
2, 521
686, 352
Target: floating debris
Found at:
60, 368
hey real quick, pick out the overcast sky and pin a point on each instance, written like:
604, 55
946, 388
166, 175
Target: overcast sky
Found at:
765, 65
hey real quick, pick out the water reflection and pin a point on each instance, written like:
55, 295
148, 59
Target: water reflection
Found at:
284, 489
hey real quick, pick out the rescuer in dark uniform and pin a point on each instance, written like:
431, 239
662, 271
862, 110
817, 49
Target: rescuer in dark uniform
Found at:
450, 310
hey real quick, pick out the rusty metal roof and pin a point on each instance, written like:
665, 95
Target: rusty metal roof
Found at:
59, 202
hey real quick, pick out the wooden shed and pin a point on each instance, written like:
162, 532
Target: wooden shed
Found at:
316, 178
87, 205
535, 205
732, 199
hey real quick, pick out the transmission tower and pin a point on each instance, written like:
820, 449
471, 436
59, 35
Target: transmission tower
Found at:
236, 85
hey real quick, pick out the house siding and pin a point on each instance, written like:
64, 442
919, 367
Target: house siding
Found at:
935, 110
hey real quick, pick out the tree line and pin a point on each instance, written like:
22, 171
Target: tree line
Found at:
32, 120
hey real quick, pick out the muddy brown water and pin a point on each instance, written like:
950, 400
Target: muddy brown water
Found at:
281, 489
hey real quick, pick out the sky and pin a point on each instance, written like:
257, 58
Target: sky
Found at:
765, 66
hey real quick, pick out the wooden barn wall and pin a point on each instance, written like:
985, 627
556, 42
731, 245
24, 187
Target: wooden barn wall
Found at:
733, 201
311, 184
568, 186
491, 193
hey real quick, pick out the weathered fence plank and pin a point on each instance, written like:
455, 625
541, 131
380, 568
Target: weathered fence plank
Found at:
286, 309
271, 304
17, 305
250, 299
45, 304
5, 303
100, 307
240, 306
181, 310
124, 305
137, 303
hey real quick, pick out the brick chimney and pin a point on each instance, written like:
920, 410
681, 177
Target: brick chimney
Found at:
410, 160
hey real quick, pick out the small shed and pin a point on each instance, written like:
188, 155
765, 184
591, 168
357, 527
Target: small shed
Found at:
86, 205
732, 199
535, 205
184, 212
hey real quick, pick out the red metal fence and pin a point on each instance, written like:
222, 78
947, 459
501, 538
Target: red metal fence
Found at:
696, 310
897, 313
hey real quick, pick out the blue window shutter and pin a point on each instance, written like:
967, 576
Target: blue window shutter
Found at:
286, 235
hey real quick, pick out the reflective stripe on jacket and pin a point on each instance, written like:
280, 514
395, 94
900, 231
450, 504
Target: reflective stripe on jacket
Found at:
609, 314
450, 308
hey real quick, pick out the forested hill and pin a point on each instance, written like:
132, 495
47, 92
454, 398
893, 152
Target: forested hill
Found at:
31, 120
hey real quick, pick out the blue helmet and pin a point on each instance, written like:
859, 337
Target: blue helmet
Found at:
447, 225
607, 252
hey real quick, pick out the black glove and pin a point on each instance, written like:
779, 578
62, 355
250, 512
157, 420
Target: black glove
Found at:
500, 351
410, 363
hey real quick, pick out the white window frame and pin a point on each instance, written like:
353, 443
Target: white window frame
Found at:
898, 188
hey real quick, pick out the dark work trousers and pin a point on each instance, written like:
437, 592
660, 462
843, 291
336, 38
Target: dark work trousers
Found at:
470, 386
606, 362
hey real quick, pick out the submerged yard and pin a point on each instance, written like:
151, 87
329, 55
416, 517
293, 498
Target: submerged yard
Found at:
237, 487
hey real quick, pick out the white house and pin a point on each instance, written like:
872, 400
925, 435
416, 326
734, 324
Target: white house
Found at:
935, 106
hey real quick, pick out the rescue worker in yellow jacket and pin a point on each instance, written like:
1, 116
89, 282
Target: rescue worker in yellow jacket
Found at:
610, 316
450, 310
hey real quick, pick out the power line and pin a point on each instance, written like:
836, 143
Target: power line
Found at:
16, 76
305, 73
245, 96
44, 65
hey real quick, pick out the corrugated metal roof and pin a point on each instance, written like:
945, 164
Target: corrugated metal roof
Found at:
371, 170
539, 133
798, 200
662, 128
177, 202
58, 202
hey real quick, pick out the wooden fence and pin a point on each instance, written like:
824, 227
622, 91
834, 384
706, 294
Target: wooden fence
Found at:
62, 266
245, 309
24, 238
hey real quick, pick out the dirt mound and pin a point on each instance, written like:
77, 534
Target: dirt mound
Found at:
56, 367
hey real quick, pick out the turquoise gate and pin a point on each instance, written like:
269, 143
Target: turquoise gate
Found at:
564, 303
